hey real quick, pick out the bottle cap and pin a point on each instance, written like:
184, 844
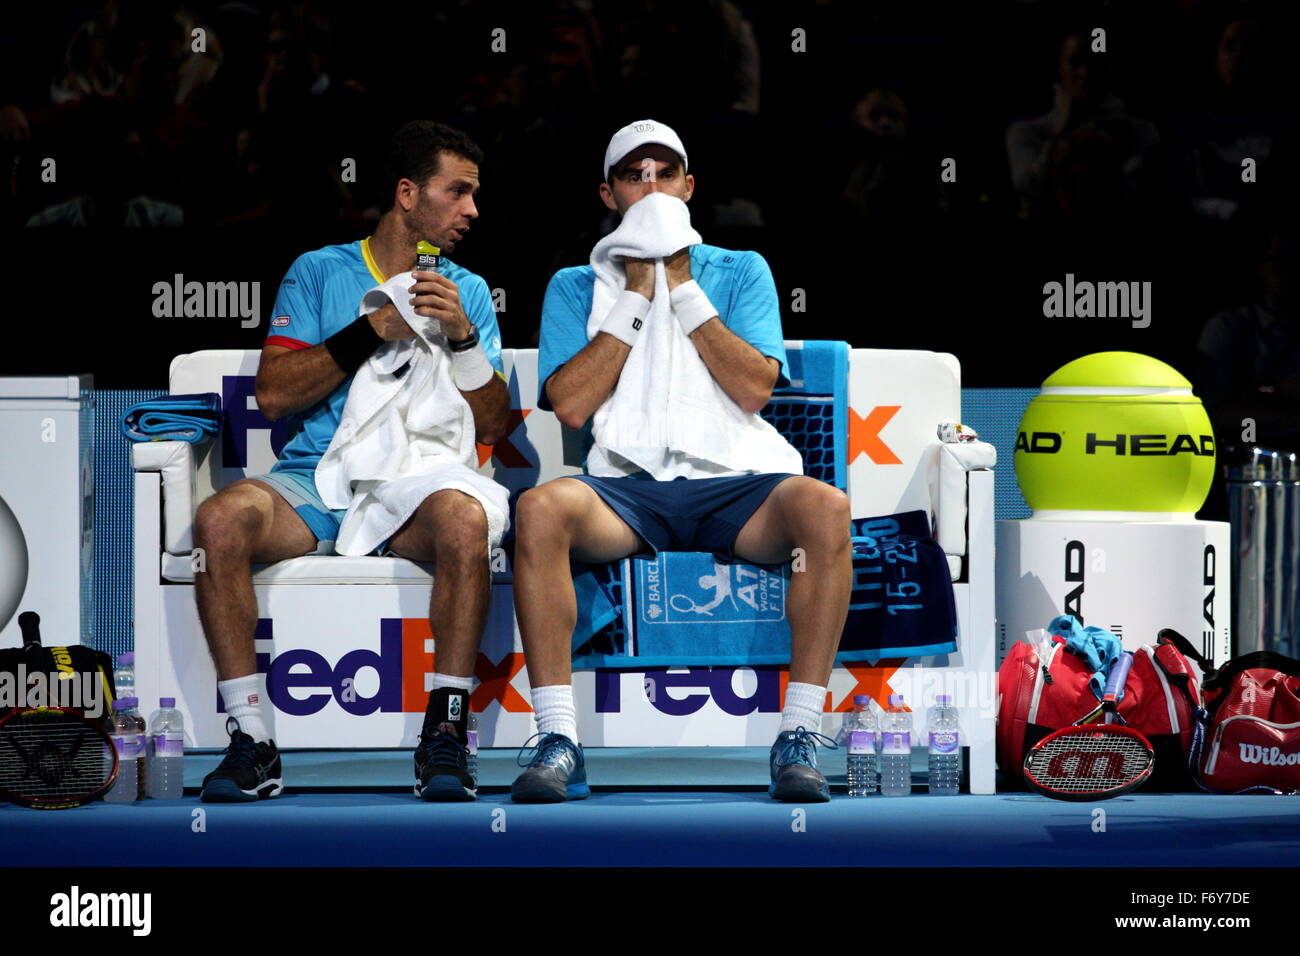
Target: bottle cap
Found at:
122, 703
127, 657
166, 701
896, 700
128, 701
944, 700
860, 700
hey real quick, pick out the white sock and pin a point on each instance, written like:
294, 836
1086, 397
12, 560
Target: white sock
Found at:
555, 711
447, 680
246, 701
803, 707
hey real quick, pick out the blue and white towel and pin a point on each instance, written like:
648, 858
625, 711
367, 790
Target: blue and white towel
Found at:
191, 418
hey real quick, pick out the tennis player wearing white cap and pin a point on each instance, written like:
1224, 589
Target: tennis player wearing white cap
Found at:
726, 302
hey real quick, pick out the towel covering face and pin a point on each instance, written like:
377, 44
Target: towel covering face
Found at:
667, 415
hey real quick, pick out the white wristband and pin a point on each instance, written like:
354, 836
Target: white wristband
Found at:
691, 306
626, 317
471, 370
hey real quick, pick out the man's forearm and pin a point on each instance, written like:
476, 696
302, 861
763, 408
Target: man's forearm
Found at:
743, 372
584, 382
491, 407
292, 380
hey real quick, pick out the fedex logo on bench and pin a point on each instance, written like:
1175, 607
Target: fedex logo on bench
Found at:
301, 682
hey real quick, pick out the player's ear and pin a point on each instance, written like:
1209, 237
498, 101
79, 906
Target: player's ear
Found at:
408, 194
690, 187
607, 197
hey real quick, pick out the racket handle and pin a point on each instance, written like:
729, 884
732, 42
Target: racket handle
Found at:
1118, 676
30, 624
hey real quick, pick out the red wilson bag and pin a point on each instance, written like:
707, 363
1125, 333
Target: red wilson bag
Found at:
1160, 699
1248, 731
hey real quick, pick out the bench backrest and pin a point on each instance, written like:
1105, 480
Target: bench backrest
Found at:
863, 419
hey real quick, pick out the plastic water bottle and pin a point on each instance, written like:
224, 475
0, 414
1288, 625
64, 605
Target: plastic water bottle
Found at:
124, 675
945, 747
471, 741
165, 776
126, 788
896, 749
860, 736
141, 746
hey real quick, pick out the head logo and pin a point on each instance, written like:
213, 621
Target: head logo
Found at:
1074, 553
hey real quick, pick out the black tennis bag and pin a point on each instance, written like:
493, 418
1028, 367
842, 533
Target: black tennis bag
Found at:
77, 677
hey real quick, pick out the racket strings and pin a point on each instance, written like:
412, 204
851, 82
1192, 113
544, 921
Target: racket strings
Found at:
49, 757
1081, 763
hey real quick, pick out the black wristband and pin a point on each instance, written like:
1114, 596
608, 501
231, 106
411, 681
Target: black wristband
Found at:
467, 343
353, 344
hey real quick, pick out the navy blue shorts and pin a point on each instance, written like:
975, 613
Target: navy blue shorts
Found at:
686, 514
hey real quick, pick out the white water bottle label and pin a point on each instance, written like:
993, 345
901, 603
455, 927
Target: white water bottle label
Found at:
168, 745
943, 742
862, 742
895, 743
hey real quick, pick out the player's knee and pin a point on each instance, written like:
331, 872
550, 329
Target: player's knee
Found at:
822, 510
544, 514
226, 523
460, 526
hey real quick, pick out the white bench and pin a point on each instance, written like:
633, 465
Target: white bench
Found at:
348, 639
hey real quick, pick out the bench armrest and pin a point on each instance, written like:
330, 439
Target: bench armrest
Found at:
174, 460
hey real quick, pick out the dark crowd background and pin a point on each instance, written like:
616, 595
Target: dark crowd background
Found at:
1123, 166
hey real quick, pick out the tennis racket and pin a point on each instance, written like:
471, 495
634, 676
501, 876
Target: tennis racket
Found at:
1107, 709
53, 758
1094, 762
1091, 761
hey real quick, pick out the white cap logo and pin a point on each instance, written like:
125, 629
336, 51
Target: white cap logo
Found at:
638, 134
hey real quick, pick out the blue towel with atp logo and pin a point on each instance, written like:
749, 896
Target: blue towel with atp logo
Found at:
191, 418
688, 609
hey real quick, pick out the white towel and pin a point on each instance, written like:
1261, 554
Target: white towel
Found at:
406, 432
668, 415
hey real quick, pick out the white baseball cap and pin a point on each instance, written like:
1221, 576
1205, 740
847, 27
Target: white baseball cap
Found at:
635, 135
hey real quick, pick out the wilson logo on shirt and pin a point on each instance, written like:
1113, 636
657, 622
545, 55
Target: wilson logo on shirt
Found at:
280, 321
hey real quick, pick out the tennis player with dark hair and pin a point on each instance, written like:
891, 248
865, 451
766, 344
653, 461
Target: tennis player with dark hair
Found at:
726, 305
316, 344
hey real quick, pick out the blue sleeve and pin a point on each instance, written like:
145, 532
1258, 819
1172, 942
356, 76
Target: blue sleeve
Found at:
565, 311
477, 302
295, 318
755, 314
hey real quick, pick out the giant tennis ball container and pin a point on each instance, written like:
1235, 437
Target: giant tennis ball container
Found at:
1115, 432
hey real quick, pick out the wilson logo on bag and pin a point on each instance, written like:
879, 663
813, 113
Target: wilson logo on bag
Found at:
1248, 731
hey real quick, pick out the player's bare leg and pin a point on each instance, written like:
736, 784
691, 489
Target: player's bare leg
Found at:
243, 523
555, 521
449, 528
806, 520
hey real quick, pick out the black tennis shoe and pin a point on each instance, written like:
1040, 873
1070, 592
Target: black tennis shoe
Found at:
250, 770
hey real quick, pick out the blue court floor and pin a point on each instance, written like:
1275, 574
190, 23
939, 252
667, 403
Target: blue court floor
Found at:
687, 807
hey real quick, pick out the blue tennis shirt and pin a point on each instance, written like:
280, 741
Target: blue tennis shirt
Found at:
318, 297
739, 284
